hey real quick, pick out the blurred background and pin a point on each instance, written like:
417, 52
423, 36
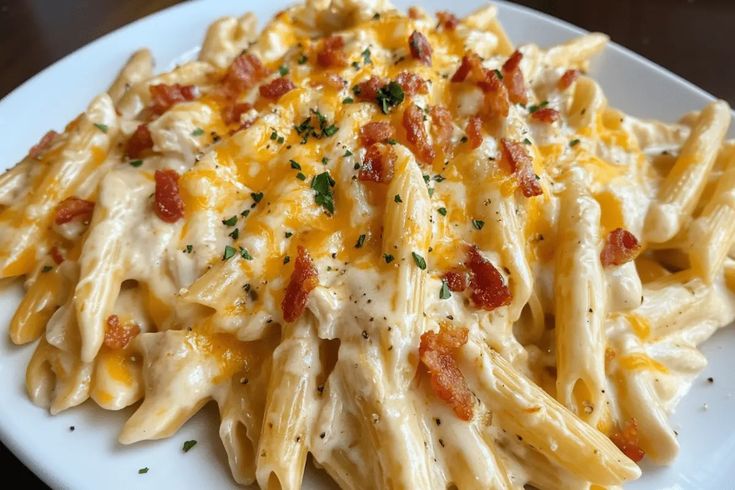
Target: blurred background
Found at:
693, 38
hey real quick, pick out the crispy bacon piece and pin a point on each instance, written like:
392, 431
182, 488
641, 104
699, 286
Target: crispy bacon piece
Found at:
489, 291
437, 351
303, 280
331, 53
275, 89
519, 161
447, 20
420, 47
368, 90
43, 144
73, 208
497, 101
567, 79
379, 162
456, 280
513, 79
119, 336
244, 73
471, 64
232, 114
168, 204
545, 115
55, 254
139, 142
413, 122
474, 132
620, 247
627, 440
441, 120
375, 132
411, 83
164, 96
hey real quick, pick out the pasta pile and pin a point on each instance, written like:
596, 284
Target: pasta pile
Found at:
395, 242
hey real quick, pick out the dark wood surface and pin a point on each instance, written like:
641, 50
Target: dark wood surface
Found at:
693, 38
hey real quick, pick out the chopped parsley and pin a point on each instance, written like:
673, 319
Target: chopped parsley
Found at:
245, 213
197, 132
397, 198
573, 143
257, 196
302, 59
300, 176
235, 234
295, 165
348, 100
229, 253
533, 108
136, 163
325, 160
323, 196
442, 211
444, 292
391, 141
286, 259
188, 445
274, 135
439, 178
143, 471
355, 65
46, 268
102, 127
245, 254
388, 258
527, 141
283, 70
477, 224
348, 153
498, 73
366, 57
420, 261
389, 96
232, 221
464, 139
188, 249
306, 129
288, 234
360, 241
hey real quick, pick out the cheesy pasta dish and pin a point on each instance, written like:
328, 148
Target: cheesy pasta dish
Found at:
393, 241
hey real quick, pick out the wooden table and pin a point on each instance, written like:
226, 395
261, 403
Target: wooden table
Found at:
693, 38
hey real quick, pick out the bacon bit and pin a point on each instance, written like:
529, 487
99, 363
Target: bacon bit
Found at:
119, 336
411, 83
164, 96
331, 53
567, 79
436, 352
620, 247
456, 280
379, 162
43, 144
232, 114
139, 142
447, 20
413, 122
513, 79
546, 115
275, 89
368, 90
414, 13
375, 132
474, 132
73, 208
303, 280
420, 47
628, 441
520, 163
168, 204
471, 64
244, 73
335, 81
55, 254
488, 289
441, 120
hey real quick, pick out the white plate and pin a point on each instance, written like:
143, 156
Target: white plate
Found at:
89, 457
